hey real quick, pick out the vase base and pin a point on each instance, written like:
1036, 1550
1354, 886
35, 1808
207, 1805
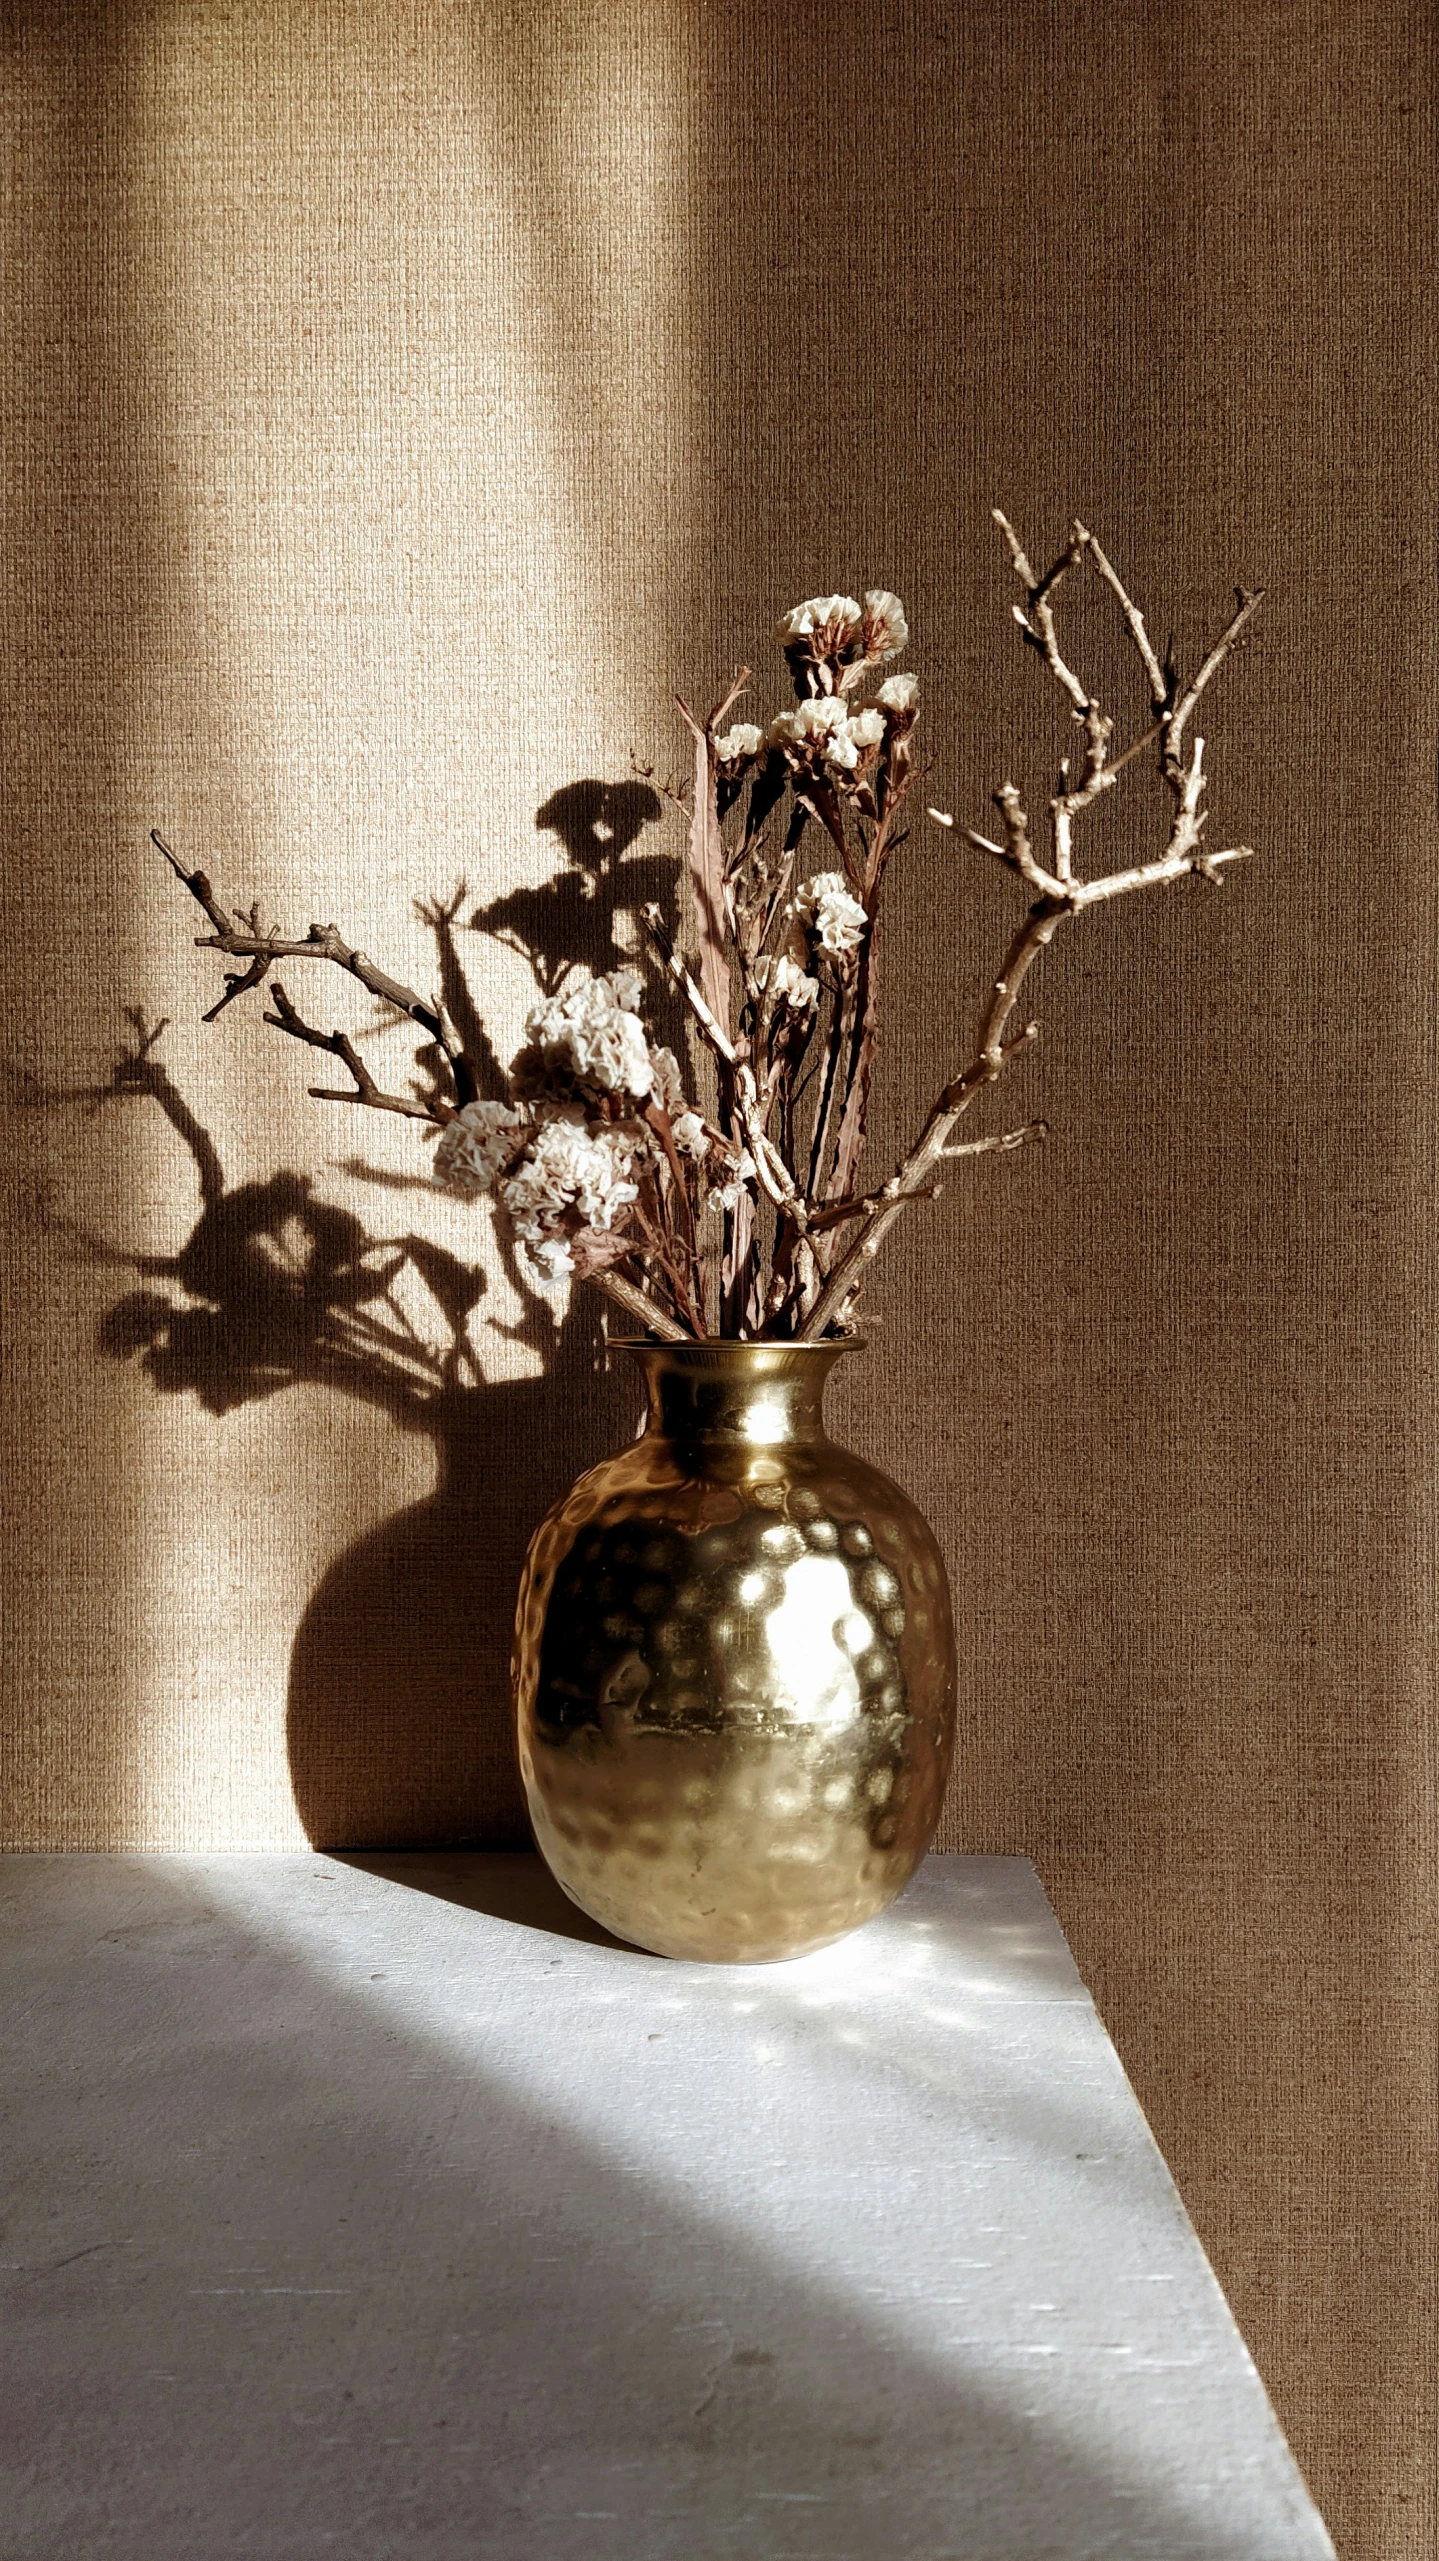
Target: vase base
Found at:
765, 1917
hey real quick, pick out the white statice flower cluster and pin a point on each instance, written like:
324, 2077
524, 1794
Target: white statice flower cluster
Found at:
476, 1145
588, 1041
884, 629
727, 1194
569, 1177
833, 918
831, 620
564, 1162
825, 729
690, 1134
824, 733
836, 627
787, 982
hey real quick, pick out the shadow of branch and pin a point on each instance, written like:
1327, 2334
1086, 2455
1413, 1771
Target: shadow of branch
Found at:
398, 1712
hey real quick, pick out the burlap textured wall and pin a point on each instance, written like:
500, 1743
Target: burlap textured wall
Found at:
400, 400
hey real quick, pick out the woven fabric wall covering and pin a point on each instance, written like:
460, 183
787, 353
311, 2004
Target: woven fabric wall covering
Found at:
401, 402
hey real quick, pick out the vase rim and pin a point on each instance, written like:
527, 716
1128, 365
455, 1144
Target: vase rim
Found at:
712, 1343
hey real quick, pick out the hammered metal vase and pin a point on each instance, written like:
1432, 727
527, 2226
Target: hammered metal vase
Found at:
734, 1668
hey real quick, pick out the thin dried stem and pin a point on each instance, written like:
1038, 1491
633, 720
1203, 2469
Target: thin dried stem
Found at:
1250, 600
285, 1018
638, 1304
242, 939
710, 1028
1062, 894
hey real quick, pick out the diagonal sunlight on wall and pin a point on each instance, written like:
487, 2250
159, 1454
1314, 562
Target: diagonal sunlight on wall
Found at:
84, 618
407, 318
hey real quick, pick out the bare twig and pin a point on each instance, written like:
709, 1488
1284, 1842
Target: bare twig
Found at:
713, 1032
1036, 616
1029, 1134
638, 1304
286, 1019
1248, 606
240, 938
1061, 893
1160, 687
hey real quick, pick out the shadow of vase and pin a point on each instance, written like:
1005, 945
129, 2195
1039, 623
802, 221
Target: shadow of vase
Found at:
399, 1724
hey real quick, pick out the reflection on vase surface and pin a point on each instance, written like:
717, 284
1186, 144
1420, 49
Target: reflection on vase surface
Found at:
734, 1669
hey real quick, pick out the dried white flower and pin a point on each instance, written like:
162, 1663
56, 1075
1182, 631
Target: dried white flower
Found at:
836, 920
899, 693
823, 727
474, 1146
745, 739
568, 1168
550, 1260
726, 1195
836, 618
591, 1037
824, 716
669, 1087
791, 986
691, 1137
885, 628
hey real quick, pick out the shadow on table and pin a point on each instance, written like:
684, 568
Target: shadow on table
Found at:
507, 2285
509, 1885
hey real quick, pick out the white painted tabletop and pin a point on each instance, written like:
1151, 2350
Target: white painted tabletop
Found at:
381, 2206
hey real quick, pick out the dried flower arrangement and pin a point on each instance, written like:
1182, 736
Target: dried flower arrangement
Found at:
726, 1198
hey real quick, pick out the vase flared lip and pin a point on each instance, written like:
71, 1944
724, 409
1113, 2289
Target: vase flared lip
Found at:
710, 1344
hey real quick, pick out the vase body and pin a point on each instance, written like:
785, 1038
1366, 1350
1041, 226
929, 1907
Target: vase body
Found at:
734, 1669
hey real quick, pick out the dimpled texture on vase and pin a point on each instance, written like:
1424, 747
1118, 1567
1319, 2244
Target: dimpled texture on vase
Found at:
734, 1669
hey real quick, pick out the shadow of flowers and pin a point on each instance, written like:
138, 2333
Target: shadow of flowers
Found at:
398, 1710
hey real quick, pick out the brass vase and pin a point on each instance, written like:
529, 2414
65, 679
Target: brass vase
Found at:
734, 1668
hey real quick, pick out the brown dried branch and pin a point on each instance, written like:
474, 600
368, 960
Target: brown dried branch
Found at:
638, 1304
837, 1047
712, 1031
837, 1213
285, 1018
1061, 894
240, 937
673, 792
1031, 1132
1160, 680
992, 1055
1249, 602
1036, 616
854, 1119
239, 984
707, 858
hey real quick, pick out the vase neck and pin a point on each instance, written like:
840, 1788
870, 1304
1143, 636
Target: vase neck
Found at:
763, 1394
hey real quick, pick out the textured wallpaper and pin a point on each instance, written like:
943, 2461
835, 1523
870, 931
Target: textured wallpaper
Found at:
401, 404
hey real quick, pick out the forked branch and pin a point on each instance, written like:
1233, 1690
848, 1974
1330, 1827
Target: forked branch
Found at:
1060, 894
242, 937
285, 1018
603, 1165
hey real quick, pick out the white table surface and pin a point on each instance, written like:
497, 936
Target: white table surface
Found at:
382, 2206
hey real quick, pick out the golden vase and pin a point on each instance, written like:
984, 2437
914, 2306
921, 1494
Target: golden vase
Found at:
734, 1668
